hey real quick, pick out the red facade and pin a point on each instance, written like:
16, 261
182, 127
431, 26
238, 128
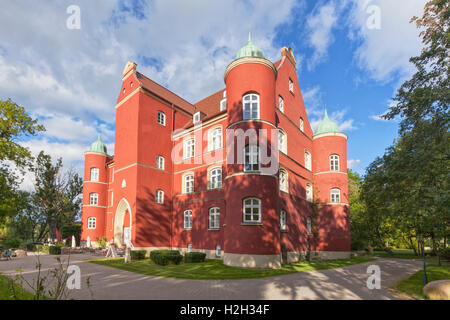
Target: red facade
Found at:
129, 182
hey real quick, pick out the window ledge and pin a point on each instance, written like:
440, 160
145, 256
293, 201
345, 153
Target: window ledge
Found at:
284, 230
188, 229
251, 224
213, 229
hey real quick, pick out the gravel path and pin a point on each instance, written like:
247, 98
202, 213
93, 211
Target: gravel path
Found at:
342, 283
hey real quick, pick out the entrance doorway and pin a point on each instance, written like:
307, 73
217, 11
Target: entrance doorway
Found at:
122, 228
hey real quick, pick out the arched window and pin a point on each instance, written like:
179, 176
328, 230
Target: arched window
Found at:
160, 162
335, 195
291, 85
282, 141
93, 199
215, 139
301, 124
94, 174
188, 183
188, 219
215, 178
250, 105
189, 148
281, 104
334, 162
159, 196
92, 223
252, 210
284, 180
283, 220
307, 160
161, 118
214, 218
251, 158
309, 192
308, 225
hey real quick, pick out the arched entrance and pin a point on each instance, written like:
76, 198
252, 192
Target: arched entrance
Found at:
122, 227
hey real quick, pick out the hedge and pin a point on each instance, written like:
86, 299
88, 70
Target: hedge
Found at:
138, 254
164, 257
193, 257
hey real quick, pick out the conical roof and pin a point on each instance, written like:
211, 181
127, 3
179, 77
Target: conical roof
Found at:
326, 126
98, 146
249, 50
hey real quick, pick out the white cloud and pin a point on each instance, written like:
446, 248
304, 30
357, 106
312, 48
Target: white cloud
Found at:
354, 164
385, 52
319, 26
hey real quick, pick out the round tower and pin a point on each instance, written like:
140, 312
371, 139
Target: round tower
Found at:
251, 222
331, 189
94, 192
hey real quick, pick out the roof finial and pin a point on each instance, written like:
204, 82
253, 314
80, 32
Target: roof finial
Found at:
249, 36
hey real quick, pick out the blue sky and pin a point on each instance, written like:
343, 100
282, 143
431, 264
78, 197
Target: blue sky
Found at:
70, 79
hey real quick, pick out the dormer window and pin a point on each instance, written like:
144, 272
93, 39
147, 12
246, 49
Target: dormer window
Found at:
291, 85
223, 104
197, 117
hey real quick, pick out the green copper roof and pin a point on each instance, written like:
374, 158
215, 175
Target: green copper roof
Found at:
326, 126
98, 146
250, 50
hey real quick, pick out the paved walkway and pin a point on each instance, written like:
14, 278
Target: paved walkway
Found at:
341, 283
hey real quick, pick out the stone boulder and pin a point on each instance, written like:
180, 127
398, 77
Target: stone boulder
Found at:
20, 253
439, 289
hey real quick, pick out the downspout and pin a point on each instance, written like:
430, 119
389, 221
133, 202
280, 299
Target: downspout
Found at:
172, 178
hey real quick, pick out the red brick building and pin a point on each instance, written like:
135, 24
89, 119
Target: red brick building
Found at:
180, 178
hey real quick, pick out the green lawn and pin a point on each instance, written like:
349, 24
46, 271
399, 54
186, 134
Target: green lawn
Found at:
404, 254
5, 290
413, 286
215, 269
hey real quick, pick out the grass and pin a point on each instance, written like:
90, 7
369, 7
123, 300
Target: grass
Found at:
406, 254
215, 269
413, 286
5, 290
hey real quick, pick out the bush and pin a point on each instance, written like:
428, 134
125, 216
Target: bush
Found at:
193, 257
164, 257
12, 243
48, 249
69, 230
445, 254
102, 242
138, 254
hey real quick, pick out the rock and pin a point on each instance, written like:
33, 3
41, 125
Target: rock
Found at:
20, 253
439, 289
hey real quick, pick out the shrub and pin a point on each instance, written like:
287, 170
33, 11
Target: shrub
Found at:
69, 230
102, 242
193, 257
138, 254
12, 242
445, 254
48, 249
164, 257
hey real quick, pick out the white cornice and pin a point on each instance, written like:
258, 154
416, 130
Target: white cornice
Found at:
330, 134
249, 60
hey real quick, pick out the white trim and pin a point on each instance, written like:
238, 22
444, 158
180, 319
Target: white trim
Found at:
331, 134
251, 206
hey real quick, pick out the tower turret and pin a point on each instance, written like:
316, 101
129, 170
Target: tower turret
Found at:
94, 192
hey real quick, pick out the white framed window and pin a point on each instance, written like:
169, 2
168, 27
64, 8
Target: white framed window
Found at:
161, 118
301, 124
308, 225
284, 180
188, 183
159, 196
94, 174
309, 192
281, 104
160, 162
250, 105
283, 220
334, 162
251, 158
223, 104
197, 117
92, 223
215, 178
188, 219
291, 85
189, 148
215, 139
307, 160
189, 248
252, 210
93, 199
335, 195
214, 218
282, 141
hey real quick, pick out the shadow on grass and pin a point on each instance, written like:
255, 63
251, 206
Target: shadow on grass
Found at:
216, 270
